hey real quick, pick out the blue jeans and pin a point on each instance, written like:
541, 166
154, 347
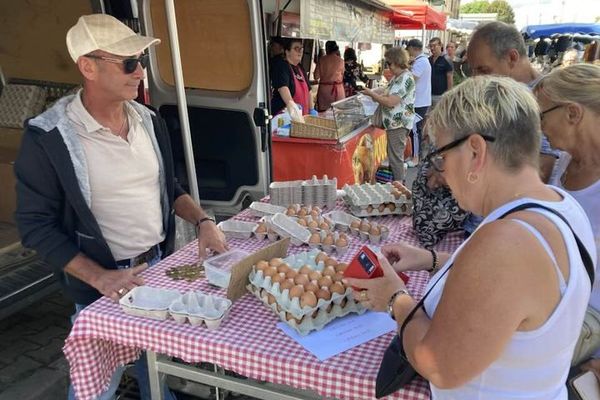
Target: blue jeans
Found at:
140, 365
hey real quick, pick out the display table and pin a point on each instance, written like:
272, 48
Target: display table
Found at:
352, 159
248, 342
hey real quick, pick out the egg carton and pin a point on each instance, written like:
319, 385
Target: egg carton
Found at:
342, 220
260, 209
285, 227
148, 302
237, 229
283, 193
365, 232
298, 210
373, 210
328, 248
267, 285
315, 224
365, 194
199, 308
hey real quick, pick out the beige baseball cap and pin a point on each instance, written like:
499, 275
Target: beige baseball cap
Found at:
105, 32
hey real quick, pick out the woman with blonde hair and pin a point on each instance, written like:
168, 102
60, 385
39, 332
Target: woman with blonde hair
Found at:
569, 100
505, 310
398, 108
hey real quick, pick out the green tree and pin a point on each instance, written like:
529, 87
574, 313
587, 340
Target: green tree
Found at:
500, 7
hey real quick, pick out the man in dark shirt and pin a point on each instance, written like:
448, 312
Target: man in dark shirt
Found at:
441, 71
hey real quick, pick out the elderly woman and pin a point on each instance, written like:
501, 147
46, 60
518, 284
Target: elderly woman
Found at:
398, 108
289, 81
569, 100
506, 308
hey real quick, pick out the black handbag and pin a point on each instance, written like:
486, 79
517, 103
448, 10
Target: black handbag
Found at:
395, 370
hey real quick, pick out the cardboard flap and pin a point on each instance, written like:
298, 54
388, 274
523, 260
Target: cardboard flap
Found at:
241, 270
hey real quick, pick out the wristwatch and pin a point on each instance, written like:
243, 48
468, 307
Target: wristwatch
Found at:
392, 299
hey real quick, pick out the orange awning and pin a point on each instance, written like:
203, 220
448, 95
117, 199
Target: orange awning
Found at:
413, 14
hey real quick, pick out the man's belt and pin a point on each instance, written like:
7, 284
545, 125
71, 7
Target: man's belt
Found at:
142, 258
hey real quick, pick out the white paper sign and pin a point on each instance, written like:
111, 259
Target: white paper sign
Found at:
343, 333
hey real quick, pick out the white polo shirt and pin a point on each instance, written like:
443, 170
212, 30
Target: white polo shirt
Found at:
421, 70
124, 182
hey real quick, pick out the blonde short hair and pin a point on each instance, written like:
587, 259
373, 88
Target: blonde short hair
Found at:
578, 83
494, 106
398, 56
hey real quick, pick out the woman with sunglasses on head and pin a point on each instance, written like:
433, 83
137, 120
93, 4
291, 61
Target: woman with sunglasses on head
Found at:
398, 108
505, 309
569, 100
290, 82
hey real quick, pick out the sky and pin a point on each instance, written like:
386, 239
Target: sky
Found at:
535, 12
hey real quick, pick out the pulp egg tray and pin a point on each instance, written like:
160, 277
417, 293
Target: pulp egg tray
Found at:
260, 209
329, 241
199, 308
341, 219
380, 210
283, 226
370, 231
271, 285
377, 199
237, 229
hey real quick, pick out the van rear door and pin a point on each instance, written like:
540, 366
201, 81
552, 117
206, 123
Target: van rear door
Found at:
223, 55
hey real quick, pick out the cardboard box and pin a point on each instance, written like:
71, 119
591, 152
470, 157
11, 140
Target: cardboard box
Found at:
8, 195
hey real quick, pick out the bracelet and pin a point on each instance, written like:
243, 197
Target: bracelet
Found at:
392, 299
435, 264
201, 220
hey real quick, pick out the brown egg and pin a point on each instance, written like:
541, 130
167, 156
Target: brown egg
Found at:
278, 278
343, 236
365, 226
311, 286
322, 256
391, 206
261, 228
355, 224
316, 208
287, 284
275, 262
296, 291
328, 241
301, 279
303, 212
329, 271
315, 238
271, 271
308, 299
325, 281
262, 265
396, 193
270, 298
341, 242
341, 267
324, 294
291, 274
290, 212
337, 287
313, 224
305, 269
324, 225
302, 222
291, 318
381, 208
370, 209
283, 268
331, 262
314, 275
375, 231
338, 276
314, 213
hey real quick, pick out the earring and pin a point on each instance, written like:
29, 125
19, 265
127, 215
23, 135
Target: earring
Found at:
472, 178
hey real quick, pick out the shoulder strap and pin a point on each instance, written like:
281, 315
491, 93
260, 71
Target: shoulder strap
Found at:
585, 255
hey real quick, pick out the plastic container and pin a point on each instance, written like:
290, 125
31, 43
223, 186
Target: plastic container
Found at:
218, 268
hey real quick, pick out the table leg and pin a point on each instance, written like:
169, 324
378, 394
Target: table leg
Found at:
217, 390
154, 376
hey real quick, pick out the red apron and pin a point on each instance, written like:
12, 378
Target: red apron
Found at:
301, 93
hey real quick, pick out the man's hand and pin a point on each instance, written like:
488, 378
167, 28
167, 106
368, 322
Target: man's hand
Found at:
210, 237
114, 283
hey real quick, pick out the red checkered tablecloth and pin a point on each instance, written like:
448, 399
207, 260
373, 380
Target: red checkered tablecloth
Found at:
248, 341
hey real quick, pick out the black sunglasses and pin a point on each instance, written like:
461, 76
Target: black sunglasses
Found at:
548, 110
436, 159
129, 64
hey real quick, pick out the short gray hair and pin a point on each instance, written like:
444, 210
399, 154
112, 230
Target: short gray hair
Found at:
500, 37
495, 106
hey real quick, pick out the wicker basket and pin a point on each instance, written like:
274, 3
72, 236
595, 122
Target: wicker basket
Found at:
316, 128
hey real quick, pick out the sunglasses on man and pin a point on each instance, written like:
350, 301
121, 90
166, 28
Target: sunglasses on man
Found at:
129, 64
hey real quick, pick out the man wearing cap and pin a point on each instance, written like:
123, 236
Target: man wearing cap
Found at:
421, 70
95, 178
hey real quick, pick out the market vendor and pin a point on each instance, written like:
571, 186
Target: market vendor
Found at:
330, 73
290, 81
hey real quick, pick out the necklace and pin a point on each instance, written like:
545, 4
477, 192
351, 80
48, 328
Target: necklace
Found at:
120, 131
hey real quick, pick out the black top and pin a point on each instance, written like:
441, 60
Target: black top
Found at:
352, 72
281, 75
439, 71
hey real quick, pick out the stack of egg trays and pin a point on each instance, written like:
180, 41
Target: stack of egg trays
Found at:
285, 193
260, 286
361, 197
320, 192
